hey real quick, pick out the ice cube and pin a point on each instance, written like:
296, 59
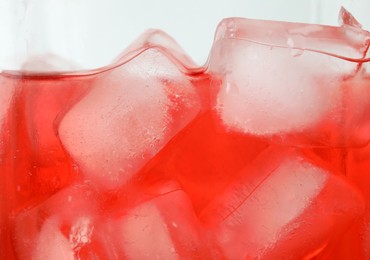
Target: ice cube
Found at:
354, 164
158, 39
138, 232
129, 114
51, 244
61, 225
357, 170
279, 78
283, 207
162, 228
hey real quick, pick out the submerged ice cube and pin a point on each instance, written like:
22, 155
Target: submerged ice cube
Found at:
51, 243
128, 115
59, 227
162, 228
283, 207
283, 79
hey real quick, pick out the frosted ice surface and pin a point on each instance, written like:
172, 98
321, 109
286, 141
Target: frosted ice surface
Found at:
274, 80
62, 225
159, 39
253, 218
125, 119
145, 235
268, 92
293, 185
164, 227
80, 233
52, 244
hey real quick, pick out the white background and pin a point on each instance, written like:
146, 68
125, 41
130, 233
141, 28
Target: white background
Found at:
92, 33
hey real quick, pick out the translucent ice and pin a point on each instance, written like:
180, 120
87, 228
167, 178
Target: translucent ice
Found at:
51, 244
128, 115
60, 226
162, 228
161, 40
281, 202
277, 78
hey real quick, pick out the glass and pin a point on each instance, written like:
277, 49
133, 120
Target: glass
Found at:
263, 152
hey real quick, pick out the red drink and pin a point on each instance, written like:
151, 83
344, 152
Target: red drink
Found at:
262, 154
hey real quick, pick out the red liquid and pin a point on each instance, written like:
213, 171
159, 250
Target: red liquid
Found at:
34, 164
204, 159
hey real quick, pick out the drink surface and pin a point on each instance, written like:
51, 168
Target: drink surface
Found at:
261, 154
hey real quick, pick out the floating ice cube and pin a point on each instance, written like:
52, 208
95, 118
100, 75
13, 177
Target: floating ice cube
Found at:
279, 78
161, 40
280, 204
129, 114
